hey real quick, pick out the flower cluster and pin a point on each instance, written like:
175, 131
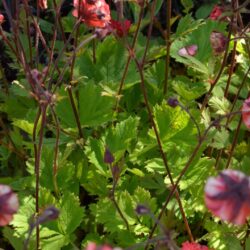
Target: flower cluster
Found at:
8, 204
246, 112
228, 196
94, 13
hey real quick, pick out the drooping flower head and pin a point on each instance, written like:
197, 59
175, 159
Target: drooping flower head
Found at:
94, 13
8, 204
218, 42
193, 246
228, 196
246, 112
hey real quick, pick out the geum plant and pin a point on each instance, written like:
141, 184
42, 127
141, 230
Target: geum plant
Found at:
109, 134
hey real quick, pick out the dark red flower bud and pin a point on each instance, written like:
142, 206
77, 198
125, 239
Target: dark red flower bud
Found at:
216, 12
121, 28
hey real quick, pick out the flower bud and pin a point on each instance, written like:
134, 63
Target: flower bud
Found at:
49, 214
216, 12
108, 157
173, 102
141, 209
8, 204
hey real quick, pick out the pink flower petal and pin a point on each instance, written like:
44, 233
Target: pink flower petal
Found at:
228, 196
190, 50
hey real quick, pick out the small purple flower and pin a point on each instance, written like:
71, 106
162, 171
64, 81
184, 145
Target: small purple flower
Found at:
108, 157
190, 50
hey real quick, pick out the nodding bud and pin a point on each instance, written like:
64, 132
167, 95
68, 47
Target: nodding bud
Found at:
173, 102
141, 209
49, 214
108, 157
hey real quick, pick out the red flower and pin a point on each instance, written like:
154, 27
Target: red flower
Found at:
121, 28
1, 18
228, 196
193, 246
43, 4
216, 12
246, 112
8, 204
218, 42
94, 13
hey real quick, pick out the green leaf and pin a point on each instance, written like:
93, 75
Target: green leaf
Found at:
187, 89
220, 104
15, 241
111, 58
71, 213
169, 120
187, 4
105, 213
64, 110
220, 139
119, 138
94, 109
95, 154
186, 25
